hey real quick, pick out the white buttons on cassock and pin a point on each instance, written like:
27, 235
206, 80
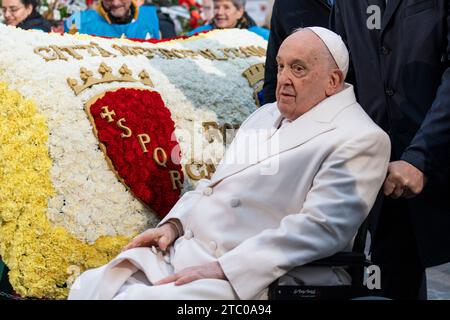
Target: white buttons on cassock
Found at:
235, 202
188, 234
213, 245
208, 191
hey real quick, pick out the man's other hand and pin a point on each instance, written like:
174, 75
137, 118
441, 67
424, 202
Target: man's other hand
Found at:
403, 180
211, 270
161, 237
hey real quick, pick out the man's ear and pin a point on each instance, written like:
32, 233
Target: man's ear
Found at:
335, 82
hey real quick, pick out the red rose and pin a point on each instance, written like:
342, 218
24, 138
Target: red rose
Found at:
195, 14
144, 113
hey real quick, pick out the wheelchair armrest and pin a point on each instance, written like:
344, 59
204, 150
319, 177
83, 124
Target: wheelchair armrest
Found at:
342, 259
355, 261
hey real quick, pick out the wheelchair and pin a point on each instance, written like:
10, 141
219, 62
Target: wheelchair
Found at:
354, 262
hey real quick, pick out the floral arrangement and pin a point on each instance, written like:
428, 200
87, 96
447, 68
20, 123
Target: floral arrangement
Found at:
58, 10
193, 8
145, 178
36, 251
185, 13
75, 186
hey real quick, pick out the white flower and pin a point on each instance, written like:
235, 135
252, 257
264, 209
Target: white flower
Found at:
89, 199
56, 15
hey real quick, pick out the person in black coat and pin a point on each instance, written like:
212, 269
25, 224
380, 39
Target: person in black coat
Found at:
288, 15
401, 57
166, 25
24, 14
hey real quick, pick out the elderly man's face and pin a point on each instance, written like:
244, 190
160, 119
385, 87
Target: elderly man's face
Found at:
117, 8
303, 74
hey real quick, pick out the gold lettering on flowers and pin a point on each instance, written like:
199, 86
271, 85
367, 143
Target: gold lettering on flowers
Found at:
54, 52
160, 157
46, 53
71, 50
175, 177
104, 53
79, 52
159, 154
143, 140
112, 117
211, 55
127, 131
203, 170
108, 115
88, 79
222, 133
59, 53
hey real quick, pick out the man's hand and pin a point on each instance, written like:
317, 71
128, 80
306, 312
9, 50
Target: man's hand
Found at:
211, 270
403, 180
161, 237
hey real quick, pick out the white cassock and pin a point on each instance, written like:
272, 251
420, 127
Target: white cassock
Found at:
297, 194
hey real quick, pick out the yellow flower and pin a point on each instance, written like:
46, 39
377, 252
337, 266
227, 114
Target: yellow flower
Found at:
40, 256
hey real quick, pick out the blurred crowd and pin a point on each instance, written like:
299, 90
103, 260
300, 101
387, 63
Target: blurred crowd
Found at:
140, 19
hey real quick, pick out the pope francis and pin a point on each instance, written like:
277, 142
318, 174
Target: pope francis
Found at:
294, 186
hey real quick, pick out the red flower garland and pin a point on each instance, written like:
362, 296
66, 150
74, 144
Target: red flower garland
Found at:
144, 113
193, 7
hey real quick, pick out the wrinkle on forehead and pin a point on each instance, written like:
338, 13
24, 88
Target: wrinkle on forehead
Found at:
316, 50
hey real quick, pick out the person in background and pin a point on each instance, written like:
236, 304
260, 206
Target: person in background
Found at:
288, 15
401, 69
24, 14
118, 18
207, 11
166, 24
231, 14
268, 14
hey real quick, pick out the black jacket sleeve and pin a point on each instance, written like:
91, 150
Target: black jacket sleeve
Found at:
429, 151
277, 35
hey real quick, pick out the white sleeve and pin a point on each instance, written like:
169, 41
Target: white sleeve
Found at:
182, 208
341, 196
